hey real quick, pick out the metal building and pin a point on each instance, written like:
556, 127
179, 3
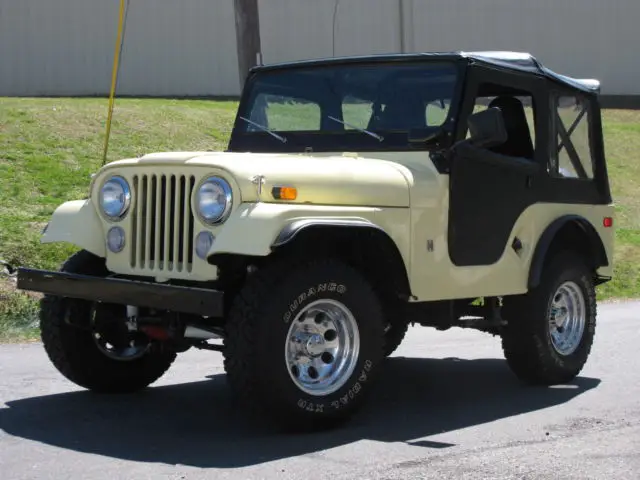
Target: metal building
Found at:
188, 48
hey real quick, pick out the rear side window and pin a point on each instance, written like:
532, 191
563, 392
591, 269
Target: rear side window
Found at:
572, 152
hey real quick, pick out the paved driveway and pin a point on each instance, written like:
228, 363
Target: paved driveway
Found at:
446, 407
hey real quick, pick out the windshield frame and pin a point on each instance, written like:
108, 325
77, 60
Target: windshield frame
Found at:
345, 141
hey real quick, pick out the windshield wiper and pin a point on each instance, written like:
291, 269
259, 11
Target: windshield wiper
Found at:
374, 135
265, 129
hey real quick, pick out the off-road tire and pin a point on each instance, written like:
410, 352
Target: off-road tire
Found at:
394, 337
257, 328
74, 353
526, 340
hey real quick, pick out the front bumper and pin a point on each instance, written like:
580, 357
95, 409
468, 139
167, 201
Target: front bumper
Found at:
192, 300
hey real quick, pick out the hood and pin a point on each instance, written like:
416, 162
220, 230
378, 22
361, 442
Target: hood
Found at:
319, 179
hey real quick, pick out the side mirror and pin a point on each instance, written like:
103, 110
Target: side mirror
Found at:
487, 128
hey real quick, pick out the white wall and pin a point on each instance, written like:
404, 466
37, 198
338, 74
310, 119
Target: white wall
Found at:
296, 29
580, 38
65, 47
187, 47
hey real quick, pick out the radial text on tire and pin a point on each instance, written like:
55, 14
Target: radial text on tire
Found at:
304, 342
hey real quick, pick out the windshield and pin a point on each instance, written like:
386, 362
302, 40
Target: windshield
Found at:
345, 107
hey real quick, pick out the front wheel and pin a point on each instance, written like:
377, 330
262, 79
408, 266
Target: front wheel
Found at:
551, 329
304, 343
91, 345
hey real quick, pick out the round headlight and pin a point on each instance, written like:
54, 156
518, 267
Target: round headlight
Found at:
214, 200
115, 198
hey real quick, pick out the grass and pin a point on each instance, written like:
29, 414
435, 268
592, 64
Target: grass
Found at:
48, 150
50, 147
18, 314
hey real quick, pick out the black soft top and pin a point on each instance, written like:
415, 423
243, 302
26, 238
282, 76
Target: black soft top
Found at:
518, 61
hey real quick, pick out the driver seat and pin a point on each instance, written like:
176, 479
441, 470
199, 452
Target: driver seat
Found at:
519, 143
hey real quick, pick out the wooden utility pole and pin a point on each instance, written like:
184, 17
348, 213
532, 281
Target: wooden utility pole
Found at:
247, 35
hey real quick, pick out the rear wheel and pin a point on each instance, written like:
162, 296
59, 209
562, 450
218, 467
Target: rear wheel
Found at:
551, 329
91, 346
304, 342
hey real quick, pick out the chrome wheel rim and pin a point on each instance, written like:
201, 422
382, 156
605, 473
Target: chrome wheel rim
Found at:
322, 347
115, 347
134, 349
567, 318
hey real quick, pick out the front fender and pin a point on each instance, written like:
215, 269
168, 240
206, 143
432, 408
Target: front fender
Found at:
77, 223
253, 229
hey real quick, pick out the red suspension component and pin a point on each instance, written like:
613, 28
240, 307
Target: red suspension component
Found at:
155, 332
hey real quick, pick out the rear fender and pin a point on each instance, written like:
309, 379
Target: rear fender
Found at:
597, 251
76, 223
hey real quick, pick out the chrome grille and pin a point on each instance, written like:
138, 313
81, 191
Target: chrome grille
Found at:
162, 223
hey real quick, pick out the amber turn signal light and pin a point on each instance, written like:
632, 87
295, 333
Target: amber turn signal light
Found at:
284, 193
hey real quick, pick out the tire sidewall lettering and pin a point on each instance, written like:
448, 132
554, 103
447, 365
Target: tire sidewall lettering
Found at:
310, 294
344, 399
353, 389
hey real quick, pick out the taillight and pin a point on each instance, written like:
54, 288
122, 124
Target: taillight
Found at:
607, 222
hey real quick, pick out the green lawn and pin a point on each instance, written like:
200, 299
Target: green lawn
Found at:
49, 148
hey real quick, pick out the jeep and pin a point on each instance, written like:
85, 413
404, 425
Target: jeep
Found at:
357, 196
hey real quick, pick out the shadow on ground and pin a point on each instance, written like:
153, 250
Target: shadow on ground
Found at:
196, 424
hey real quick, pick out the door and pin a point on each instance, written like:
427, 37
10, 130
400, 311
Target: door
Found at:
490, 188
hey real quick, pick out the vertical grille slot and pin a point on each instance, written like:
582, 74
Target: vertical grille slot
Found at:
175, 217
134, 224
149, 223
190, 238
156, 232
162, 223
142, 225
161, 236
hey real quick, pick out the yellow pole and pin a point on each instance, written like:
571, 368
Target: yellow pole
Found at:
114, 77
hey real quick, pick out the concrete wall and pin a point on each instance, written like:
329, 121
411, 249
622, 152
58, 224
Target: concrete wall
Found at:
65, 47
187, 47
296, 29
580, 38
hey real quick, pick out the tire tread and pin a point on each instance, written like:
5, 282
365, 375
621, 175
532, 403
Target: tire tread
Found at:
240, 360
75, 356
526, 351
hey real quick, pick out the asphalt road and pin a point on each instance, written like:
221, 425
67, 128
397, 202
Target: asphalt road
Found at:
446, 407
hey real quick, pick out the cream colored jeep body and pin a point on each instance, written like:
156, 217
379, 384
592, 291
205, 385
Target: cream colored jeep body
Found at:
357, 196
